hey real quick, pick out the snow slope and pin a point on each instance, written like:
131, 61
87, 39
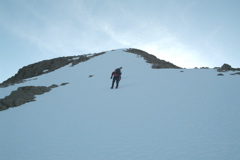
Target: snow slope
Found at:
155, 114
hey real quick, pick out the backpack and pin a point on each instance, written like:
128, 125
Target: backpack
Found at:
118, 71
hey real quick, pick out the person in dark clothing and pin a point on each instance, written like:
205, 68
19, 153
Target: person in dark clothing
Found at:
116, 75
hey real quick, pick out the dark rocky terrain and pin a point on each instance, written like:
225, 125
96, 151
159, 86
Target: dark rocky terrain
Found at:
156, 63
226, 67
44, 67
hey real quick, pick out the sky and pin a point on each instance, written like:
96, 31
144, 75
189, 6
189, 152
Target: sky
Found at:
188, 33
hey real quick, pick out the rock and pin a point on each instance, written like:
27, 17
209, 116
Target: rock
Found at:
2, 106
40, 90
81, 58
53, 86
220, 74
156, 63
225, 67
20, 101
8, 102
237, 73
204, 68
22, 95
63, 84
43, 67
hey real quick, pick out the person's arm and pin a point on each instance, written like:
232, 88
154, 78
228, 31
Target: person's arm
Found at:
112, 75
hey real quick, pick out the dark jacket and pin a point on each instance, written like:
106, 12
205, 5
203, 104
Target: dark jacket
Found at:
117, 73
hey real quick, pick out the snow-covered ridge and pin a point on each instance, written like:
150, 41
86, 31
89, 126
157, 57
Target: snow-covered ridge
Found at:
47, 66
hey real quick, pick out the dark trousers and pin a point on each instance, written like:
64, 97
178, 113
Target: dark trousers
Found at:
117, 79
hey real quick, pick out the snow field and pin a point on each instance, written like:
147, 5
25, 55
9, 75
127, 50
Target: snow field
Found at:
155, 114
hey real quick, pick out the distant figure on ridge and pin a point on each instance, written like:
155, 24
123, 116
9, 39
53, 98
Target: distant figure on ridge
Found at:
116, 75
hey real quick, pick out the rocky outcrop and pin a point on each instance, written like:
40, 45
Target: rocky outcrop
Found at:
63, 84
156, 63
23, 95
237, 73
46, 66
204, 68
226, 67
42, 67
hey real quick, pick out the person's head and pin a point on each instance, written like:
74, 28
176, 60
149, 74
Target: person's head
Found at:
120, 68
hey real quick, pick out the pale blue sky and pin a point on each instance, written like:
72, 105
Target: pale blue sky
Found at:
188, 33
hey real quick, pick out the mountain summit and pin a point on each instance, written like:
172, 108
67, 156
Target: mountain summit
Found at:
47, 66
168, 113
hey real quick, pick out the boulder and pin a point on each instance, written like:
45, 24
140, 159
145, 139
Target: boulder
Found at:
225, 67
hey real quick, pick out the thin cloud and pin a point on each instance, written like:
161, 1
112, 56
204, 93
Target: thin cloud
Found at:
77, 26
